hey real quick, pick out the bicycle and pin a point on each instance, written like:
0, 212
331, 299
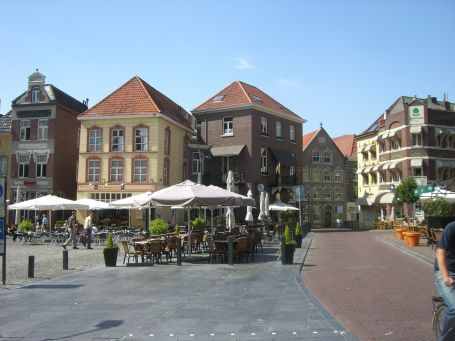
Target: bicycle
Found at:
439, 307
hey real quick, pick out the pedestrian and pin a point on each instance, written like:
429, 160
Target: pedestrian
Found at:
72, 229
444, 267
88, 225
338, 223
44, 223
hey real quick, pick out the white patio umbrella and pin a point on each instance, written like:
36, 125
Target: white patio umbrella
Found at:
262, 216
48, 203
189, 194
281, 206
95, 204
230, 217
249, 208
133, 202
438, 193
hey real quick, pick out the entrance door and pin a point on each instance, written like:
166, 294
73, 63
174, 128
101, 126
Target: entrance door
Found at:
328, 218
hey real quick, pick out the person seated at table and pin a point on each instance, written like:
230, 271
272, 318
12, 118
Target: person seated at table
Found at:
12, 229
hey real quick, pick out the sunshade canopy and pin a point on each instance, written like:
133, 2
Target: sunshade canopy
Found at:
48, 202
281, 206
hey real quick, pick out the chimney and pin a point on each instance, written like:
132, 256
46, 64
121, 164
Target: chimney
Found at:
446, 101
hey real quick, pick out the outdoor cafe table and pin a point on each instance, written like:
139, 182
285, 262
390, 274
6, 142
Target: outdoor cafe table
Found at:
140, 244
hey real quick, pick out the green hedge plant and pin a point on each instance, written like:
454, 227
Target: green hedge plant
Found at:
158, 226
26, 225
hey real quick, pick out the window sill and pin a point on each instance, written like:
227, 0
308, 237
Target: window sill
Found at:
227, 135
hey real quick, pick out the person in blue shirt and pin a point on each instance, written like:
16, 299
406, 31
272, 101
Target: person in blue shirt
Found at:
444, 267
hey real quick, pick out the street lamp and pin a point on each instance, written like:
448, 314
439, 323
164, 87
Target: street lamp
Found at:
199, 170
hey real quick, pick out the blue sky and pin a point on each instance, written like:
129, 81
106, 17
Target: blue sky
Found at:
341, 63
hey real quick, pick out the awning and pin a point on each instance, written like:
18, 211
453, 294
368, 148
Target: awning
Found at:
360, 170
375, 168
392, 133
227, 150
385, 135
392, 165
374, 199
368, 169
445, 164
415, 129
283, 157
383, 166
416, 162
362, 202
387, 198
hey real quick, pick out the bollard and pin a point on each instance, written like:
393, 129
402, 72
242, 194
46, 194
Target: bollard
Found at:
230, 251
283, 251
65, 259
31, 266
178, 250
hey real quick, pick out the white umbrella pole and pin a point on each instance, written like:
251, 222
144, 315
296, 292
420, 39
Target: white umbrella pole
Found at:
211, 220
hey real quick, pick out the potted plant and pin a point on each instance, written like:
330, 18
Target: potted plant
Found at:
289, 247
176, 229
158, 226
438, 213
26, 225
298, 235
198, 223
110, 252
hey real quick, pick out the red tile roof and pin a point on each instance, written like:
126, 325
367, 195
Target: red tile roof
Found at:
346, 144
137, 97
242, 94
306, 139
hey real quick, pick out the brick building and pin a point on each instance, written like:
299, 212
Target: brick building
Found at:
243, 129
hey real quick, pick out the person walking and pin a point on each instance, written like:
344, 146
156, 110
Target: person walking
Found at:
72, 229
44, 223
88, 225
444, 267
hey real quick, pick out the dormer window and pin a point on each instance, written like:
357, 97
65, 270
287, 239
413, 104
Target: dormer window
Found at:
256, 98
218, 98
35, 94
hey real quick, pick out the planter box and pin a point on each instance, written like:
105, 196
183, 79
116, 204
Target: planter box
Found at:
298, 239
110, 256
288, 254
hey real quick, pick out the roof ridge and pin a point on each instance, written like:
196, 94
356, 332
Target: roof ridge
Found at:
240, 83
141, 82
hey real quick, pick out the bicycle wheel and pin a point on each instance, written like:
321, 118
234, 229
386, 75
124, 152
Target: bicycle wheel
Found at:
438, 319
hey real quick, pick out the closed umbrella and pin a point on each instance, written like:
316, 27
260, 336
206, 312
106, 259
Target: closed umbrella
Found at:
262, 216
392, 214
266, 206
230, 218
249, 209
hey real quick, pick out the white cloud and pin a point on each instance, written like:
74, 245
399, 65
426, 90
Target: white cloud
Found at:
288, 83
242, 63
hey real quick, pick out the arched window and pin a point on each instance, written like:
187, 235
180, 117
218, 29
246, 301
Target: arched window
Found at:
166, 168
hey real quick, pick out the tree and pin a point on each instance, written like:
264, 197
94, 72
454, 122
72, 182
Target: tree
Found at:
404, 192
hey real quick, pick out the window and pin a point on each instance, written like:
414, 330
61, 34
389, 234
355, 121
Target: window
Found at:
417, 171
416, 139
141, 139
292, 133
372, 155
279, 130
42, 130
306, 174
166, 168
24, 160
167, 141
118, 140
365, 179
327, 176
94, 140
327, 158
35, 94
395, 143
184, 171
3, 165
41, 165
264, 128
381, 147
316, 193
263, 160
316, 214
25, 130
381, 177
116, 170
198, 127
316, 157
337, 176
196, 167
228, 126
316, 174
337, 193
93, 170
292, 168
140, 170
185, 147
218, 98
327, 193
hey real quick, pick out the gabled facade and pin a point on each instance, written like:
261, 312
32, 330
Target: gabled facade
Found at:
44, 130
134, 140
415, 138
243, 129
324, 172
6, 145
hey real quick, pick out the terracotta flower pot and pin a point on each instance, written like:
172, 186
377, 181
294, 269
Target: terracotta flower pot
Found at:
399, 233
413, 238
405, 237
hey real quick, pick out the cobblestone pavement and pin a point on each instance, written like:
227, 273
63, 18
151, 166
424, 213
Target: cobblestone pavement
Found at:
48, 261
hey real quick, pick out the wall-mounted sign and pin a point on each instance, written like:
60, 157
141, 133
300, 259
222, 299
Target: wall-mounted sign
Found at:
416, 114
260, 187
2, 237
